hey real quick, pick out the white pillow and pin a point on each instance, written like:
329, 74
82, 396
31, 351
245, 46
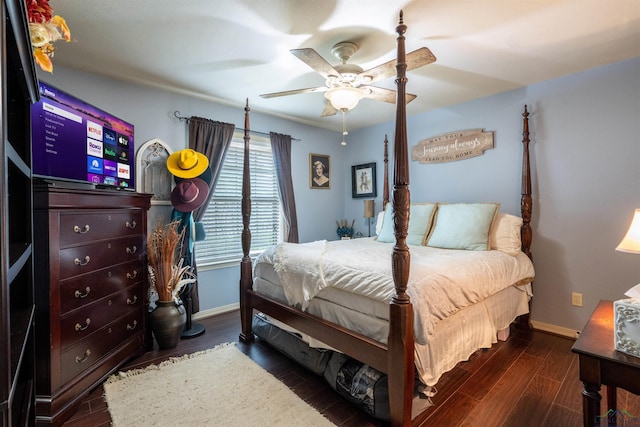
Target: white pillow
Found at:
379, 222
420, 219
463, 226
505, 234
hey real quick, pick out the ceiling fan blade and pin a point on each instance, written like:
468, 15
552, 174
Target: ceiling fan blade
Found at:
415, 59
315, 61
295, 92
386, 95
329, 110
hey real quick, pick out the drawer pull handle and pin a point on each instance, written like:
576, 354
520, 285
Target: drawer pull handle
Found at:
132, 251
82, 230
132, 276
79, 294
79, 327
131, 224
84, 357
80, 263
132, 327
132, 301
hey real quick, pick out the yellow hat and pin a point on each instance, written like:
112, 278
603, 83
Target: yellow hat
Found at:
187, 163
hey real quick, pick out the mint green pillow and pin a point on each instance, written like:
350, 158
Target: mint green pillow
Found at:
420, 218
463, 226
386, 233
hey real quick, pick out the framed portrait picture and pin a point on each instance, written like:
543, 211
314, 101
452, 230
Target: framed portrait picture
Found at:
319, 171
363, 180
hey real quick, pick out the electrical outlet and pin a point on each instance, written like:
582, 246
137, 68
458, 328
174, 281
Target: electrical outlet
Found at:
576, 299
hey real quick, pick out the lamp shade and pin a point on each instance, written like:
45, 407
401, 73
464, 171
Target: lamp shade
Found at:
368, 209
344, 98
631, 241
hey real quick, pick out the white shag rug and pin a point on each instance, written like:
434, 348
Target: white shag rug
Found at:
217, 387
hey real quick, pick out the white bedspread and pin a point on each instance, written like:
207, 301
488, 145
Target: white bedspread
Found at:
441, 281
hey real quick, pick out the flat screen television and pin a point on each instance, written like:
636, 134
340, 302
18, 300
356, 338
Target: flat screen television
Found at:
76, 142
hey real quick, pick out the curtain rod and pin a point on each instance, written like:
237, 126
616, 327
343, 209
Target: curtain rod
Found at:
186, 119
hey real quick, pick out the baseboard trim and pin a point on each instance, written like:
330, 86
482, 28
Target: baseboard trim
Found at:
554, 329
215, 311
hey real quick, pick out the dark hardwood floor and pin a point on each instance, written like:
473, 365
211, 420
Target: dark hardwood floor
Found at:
529, 380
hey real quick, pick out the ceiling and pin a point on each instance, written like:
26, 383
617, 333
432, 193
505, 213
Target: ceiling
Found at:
232, 50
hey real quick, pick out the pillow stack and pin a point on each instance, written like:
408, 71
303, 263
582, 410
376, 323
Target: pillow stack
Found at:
462, 226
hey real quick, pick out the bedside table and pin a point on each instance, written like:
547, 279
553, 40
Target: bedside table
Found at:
601, 364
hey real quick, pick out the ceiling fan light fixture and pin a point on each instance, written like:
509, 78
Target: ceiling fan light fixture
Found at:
344, 98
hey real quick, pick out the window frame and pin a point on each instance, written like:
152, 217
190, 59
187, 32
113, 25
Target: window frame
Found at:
259, 143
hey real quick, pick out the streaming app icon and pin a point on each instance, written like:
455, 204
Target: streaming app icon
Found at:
94, 148
123, 140
93, 178
94, 165
110, 168
123, 156
124, 171
94, 130
109, 180
110, 151
110, 136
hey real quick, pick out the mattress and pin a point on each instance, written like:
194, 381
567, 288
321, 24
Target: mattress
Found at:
453, 337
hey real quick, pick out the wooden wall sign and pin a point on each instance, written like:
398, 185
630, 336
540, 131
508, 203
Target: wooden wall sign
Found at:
453, 146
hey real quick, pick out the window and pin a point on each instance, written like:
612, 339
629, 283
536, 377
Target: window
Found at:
223, 218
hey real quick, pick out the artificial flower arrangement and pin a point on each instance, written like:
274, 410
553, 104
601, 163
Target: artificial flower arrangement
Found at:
167, 274
45, 28
344, 229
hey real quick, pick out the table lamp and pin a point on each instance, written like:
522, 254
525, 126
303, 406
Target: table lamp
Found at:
368, 213
627, 311
631, 241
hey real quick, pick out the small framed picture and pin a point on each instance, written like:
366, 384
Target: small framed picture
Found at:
363, 180
319, 171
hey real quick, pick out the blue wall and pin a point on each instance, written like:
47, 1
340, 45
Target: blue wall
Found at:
585, 152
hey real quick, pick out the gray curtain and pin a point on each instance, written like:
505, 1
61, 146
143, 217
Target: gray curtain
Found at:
281, 147
213, 140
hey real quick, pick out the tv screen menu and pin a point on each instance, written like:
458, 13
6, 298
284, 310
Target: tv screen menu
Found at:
73, 140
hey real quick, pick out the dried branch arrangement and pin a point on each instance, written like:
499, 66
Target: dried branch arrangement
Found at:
167, 275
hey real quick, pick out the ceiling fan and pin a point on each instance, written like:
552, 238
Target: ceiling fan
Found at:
346, 84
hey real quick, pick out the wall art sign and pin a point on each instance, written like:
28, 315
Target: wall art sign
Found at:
453, 146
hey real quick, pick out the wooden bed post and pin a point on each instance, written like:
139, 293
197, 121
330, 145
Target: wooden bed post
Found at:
525, 201
246, 280
526, 208
385, 189
400, 343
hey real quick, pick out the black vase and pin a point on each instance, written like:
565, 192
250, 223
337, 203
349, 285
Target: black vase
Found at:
167, 322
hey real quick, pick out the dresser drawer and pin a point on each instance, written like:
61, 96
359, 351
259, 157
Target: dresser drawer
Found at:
86, 320
84, 227
90, 287
85, 353
84, 259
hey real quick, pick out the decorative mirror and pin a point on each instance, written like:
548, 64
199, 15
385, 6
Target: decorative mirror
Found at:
152, 175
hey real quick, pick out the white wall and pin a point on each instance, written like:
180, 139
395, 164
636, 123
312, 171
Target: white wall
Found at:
585, 153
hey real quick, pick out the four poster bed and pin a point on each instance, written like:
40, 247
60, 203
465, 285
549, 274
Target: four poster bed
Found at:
359, 296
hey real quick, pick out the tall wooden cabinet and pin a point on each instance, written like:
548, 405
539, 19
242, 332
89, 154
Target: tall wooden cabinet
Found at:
18, 90
91, 291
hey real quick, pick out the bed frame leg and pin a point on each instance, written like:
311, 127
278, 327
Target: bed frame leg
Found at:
246, 309
401, 370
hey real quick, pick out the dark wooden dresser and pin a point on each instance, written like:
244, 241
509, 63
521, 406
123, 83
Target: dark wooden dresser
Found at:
91, 291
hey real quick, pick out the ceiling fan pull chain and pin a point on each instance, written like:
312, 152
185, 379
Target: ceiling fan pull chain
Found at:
344, 127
